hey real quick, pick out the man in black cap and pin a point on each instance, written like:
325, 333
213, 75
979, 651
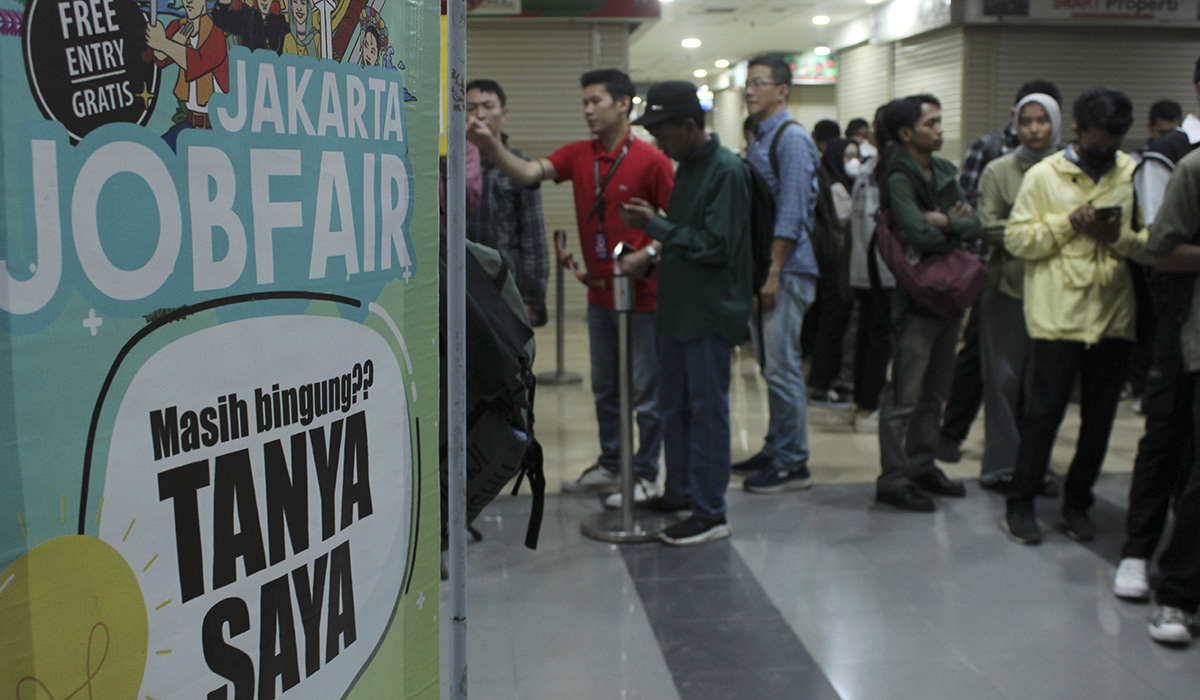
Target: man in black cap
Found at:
704, 291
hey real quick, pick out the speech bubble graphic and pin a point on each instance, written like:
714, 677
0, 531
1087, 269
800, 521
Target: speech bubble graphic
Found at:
264, 501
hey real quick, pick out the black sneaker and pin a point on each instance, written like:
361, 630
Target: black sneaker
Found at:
1078, 525
949, 451
695, 530
753, 465
936, 482
907, 498
1020, 523
1049, 486
1001, 485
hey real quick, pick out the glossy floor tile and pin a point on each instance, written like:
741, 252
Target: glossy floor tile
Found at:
819, 594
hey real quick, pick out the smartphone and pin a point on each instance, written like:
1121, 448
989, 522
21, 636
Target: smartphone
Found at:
1111, 216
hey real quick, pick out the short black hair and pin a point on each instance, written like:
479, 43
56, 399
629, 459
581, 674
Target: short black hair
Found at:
781, 72
485, 85
616, 83
904, 112
1043, 86
857, 125
826, 130
1104, 108
1166, 109
1196, 73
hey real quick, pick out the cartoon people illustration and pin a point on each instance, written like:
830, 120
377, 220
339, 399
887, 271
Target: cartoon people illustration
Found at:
256, 26
373, 46
374, 37
304, 39
198, 47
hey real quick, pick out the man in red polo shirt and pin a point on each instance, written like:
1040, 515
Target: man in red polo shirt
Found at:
608, 170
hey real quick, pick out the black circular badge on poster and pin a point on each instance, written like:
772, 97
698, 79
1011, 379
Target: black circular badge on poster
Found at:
87, 63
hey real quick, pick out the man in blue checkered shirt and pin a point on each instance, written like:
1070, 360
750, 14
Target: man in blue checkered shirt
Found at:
509, 217
785, 155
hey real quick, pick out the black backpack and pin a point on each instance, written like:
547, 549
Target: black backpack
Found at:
499, 391
762, 212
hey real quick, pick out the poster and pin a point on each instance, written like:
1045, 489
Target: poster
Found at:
218, 349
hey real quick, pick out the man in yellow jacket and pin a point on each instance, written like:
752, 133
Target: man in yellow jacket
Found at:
1073, 224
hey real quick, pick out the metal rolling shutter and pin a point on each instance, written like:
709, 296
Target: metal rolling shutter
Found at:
538, 63
933, 63
810, 104
864, 81
728, 113
1146, 64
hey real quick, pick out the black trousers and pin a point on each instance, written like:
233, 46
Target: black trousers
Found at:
873, 346
1180, 561
1165, 452
831, 331
1056, 363
966, 393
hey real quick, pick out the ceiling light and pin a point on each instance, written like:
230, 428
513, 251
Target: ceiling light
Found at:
667, 1
821, 51
690, 43
637, 100
722, 63
820, 19
699, 72
871, 2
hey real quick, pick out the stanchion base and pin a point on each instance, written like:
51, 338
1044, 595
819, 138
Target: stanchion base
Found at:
606, 526
558, 378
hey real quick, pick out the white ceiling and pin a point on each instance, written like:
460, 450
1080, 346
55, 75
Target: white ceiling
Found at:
730, 29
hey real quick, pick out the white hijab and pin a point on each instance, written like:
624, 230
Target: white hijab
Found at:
1047, 102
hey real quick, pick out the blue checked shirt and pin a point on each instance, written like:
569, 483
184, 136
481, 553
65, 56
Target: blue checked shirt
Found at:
509, 220
795, 188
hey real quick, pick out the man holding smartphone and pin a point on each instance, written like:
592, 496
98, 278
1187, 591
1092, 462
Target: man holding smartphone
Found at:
1072, 224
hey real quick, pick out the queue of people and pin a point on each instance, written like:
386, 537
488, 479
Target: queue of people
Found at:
1080, 250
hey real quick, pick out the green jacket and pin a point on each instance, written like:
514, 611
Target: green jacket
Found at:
997, 191
911, 194
704, 279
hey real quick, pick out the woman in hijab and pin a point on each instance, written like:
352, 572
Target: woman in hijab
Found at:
834, 300
1005, 346
841, 164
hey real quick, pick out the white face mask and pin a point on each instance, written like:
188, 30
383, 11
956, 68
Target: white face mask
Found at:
853, 168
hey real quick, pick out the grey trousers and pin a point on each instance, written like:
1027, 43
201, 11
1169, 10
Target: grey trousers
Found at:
1007, 363
910, 412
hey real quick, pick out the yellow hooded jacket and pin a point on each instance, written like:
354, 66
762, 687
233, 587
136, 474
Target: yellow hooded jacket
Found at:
1076, 288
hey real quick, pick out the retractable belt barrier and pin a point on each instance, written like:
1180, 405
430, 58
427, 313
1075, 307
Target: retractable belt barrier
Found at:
560, 375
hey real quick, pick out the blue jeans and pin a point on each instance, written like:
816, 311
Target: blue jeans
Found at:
602, 338
787, 399
694, 393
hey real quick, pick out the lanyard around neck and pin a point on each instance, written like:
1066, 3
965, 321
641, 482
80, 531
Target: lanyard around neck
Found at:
598, 205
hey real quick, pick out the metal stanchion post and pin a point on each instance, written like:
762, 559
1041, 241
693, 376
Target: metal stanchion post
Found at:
623, 525
560, 375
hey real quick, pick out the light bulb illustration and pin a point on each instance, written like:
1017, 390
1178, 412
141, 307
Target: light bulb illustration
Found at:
74, 621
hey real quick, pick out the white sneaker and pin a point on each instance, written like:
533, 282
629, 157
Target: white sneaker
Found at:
1170, 625
1130, 581
594, 479
643, 490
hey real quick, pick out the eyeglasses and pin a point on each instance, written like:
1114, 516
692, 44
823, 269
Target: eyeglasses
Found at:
759, 83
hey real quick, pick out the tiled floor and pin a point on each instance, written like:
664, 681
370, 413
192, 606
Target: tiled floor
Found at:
819, 594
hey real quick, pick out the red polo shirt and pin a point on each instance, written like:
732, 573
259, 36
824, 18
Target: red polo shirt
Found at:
645, 173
